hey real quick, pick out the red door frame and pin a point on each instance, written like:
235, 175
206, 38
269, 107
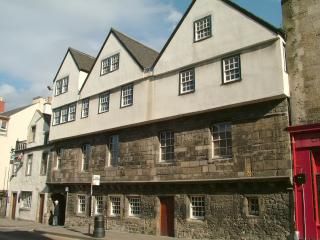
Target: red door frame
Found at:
306, 161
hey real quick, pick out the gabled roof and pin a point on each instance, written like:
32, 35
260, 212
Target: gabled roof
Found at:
14, 111
231, 4
83, 61
141, 54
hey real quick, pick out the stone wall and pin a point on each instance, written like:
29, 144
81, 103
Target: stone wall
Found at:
226, 210
302, 27
260, 147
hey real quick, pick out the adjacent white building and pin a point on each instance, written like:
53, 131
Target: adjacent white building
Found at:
14, 126
27, 186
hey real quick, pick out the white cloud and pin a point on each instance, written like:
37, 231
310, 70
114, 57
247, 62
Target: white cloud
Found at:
35, 35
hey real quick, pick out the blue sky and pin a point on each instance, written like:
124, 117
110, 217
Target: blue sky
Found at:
35, 34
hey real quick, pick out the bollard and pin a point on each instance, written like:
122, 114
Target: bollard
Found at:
99, 231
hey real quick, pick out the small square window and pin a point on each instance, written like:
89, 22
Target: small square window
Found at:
231, 69
134, 206
85, 108
187, 81
127, 95
110, 64
166, 139
115, 209
104, 102
202, 28
197, 207
253, 206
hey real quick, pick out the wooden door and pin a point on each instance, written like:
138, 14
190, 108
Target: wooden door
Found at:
167, 216
306, 194
41, 206
14, 205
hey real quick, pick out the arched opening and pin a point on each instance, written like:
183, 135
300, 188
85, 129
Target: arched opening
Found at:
62, 206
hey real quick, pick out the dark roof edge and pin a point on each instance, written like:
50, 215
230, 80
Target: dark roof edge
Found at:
83, 53
255, 18
172, 34
61, 65
125, 47
70, 49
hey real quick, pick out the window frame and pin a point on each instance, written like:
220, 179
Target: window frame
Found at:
59, 154
223, 70
200, 209
29, 165
44, 164
26, 199
85, 157
101, 96
113, 159
116, 207
74, 113
85, 107
253, 208
61, 86
193, 81
122, 97
195, 31
226, 126
33, 131
111, 59
57, 114
132, 207
79, 203
64, 114
98, 204
165, 146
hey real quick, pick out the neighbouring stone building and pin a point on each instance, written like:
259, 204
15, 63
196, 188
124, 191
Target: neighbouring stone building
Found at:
27, 184
302, 28
189, 142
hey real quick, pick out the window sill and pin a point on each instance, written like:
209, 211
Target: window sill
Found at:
166, 163
218, 159
135, 217
24, 209
196, 220
82, 215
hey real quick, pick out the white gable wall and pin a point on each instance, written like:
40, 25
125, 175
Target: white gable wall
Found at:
70, 69
128, 70
231, 30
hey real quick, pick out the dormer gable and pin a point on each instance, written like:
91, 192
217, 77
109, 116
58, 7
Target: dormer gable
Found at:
38, 129
120, 60
209, 29
70, 76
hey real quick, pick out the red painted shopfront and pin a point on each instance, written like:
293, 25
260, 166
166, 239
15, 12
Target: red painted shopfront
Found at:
306, 167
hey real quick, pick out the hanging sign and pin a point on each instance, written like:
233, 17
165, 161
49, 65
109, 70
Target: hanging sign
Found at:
95, 180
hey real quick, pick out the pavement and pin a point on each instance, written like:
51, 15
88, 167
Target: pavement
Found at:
44, 231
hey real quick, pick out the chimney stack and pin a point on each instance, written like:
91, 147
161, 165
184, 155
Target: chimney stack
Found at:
1, 105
